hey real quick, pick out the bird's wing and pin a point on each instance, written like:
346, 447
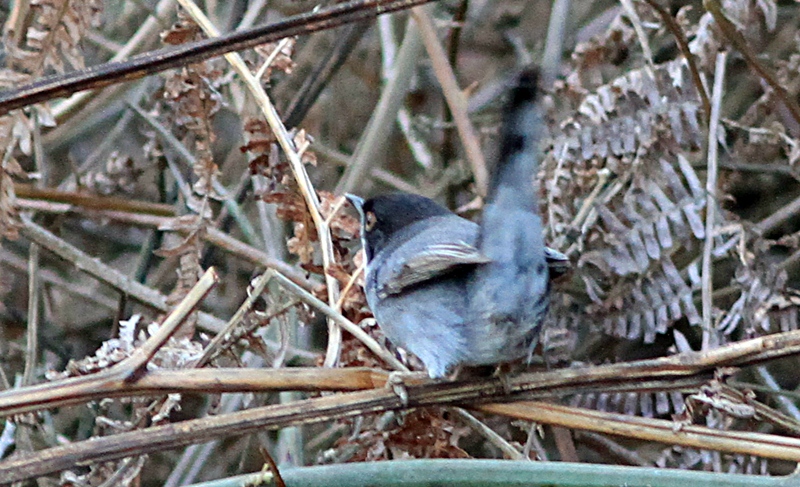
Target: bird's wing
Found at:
432, 261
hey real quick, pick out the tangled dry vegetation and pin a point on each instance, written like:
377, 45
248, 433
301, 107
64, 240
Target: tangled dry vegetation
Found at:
138, 221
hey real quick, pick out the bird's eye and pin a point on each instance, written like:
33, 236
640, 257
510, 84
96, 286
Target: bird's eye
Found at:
369, 221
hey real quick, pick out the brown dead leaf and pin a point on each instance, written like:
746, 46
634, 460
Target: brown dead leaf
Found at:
282, 61
291, 206
300, 245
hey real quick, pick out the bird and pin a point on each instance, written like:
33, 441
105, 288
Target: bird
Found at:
455, 292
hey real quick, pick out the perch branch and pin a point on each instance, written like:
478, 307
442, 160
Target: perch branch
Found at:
682, 371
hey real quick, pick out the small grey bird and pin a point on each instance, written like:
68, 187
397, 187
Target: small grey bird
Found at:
454, 292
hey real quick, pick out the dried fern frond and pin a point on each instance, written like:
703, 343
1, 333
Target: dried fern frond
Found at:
53, 36
638, 129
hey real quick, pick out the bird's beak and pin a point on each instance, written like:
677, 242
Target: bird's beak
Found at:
357, 202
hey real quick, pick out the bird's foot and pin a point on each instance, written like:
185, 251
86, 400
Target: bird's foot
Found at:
503, 374
398, 381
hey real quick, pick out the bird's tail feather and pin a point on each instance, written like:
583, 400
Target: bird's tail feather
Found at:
510, 292
518, 163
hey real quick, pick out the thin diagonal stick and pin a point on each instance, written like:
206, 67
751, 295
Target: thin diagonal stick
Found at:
298, 170
711, 200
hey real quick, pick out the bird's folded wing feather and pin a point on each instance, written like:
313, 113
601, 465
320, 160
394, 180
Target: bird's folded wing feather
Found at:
433, 261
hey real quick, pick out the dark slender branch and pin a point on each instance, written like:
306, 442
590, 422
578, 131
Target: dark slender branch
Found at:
740, 43
683, 44
154, 62
321, 75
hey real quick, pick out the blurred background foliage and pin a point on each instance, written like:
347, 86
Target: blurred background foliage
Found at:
623, 182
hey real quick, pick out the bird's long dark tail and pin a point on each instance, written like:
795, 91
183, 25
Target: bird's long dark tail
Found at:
510, 293
519, 144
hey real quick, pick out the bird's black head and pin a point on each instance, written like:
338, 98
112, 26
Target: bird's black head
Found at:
383, 216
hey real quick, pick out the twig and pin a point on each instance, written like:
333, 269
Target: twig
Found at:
32, 335
212, 235
163, 59
607, 445
341, 321
34, 283
350, 283
533, 444
711, 203
392, 180
389, 69
630, 11
740, 43
779, 217
272, 56
381, 121
273, 467
298, 170
660, 430
93, 202
258, 288
139, 358
147, 30
724, 395
455, 98
788, 406
683, 44
488, 433
92, 266
253, 13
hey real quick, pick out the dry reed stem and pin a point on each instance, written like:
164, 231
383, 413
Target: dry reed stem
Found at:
607, 378
660, 430
359, 403
93, 202
212, 235
383, 116
680, 371
298, 170
711, 202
